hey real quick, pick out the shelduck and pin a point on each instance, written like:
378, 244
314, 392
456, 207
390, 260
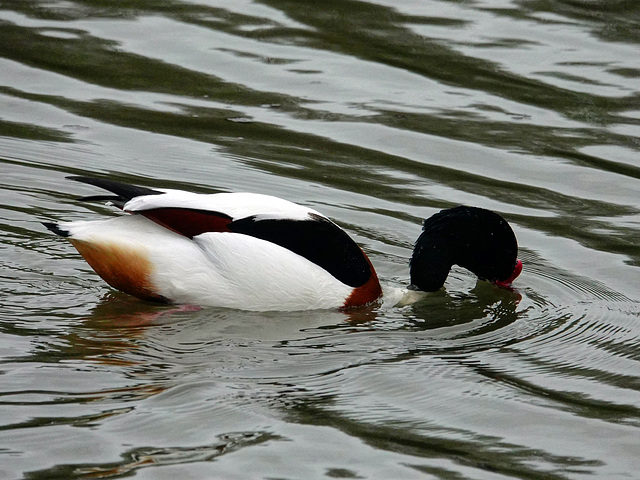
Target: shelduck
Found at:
258, 252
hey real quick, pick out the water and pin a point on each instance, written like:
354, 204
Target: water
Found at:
378, 114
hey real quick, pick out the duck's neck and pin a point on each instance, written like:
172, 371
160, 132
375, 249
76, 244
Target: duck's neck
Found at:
430, 265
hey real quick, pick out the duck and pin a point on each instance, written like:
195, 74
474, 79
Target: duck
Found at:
258, 252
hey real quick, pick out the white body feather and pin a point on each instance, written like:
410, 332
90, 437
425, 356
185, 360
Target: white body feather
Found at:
235, 205
219, 269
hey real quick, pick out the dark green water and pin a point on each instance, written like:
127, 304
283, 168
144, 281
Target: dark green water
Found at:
378, 115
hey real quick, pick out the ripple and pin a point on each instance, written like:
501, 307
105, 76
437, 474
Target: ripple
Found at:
145, 457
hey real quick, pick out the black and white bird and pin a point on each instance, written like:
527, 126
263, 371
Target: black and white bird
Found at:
257, 252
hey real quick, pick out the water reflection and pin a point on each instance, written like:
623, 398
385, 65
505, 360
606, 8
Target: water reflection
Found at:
139, 458
482, 304
429, 444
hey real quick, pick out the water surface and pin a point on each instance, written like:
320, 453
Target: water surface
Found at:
378, 114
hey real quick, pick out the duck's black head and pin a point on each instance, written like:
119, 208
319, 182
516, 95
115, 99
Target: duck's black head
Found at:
474, 238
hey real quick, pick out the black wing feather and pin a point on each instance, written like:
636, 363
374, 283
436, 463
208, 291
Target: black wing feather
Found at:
124, 191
